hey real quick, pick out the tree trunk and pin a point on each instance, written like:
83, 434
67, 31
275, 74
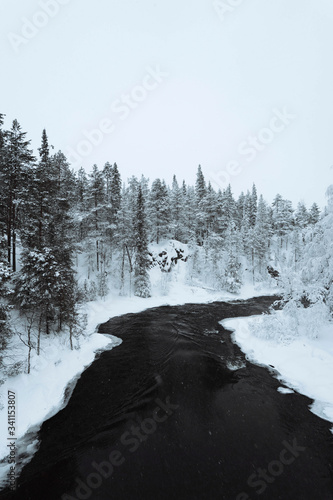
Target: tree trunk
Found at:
39, 333
130, 269
14, 247
122, 276
40, 226
60, 321
47, 321
9, 234
29, 351
71, 336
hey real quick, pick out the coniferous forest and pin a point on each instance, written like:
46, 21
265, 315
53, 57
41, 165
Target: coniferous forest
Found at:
166, 250
67, 237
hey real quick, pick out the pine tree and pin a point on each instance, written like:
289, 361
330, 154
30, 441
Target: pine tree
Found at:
200, 185
82, 189
253, 206
158, 211
301, 215
190, 213
17, 160
131, 202
97, 213
228, 207
45, 192
261, 234
314, 214
232, 280
282, 216
112, 202
107, 177
208, 213
142, 287
176, 208
61, 222
82, 204
46, 281
240, 209
44, 285
115, 188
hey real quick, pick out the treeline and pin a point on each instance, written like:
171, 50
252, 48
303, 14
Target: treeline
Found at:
50, 216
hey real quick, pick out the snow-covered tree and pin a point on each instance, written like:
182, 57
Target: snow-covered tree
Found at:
301, 215
262, 233
17, 160
176, 211
232, 279
314, 214
142, 287
200, 185
158, 211
253, 206
45, 286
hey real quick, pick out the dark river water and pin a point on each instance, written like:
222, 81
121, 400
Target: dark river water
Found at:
163, 416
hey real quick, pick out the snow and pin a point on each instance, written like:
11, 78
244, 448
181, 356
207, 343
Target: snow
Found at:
304, 364
285, 390
41, 394
178, 293
46, 390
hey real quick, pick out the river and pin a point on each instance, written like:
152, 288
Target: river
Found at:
177, 412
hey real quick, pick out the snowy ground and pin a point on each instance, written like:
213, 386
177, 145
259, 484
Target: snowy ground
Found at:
54, 374
305, 364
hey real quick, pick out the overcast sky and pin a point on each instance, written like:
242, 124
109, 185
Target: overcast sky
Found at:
245, 91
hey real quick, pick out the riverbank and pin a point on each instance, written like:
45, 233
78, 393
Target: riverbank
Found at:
303, 364
46, 390
178, 412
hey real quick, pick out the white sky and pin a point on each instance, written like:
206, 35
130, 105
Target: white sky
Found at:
225, 77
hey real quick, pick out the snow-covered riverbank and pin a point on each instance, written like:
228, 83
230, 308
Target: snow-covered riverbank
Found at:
305, 364
53, 376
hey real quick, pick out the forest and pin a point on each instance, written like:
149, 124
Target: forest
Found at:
68, 237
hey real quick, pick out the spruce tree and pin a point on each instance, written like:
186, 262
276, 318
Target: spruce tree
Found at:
240, 207
200, 185
253, 205
228, 207
261, 234
207, 212
142, 287
301, 215
97, 218
232, 279
44, 285
176, 210
17, 160
115, 189
314, 214
46, 190
158, 211
107, 176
